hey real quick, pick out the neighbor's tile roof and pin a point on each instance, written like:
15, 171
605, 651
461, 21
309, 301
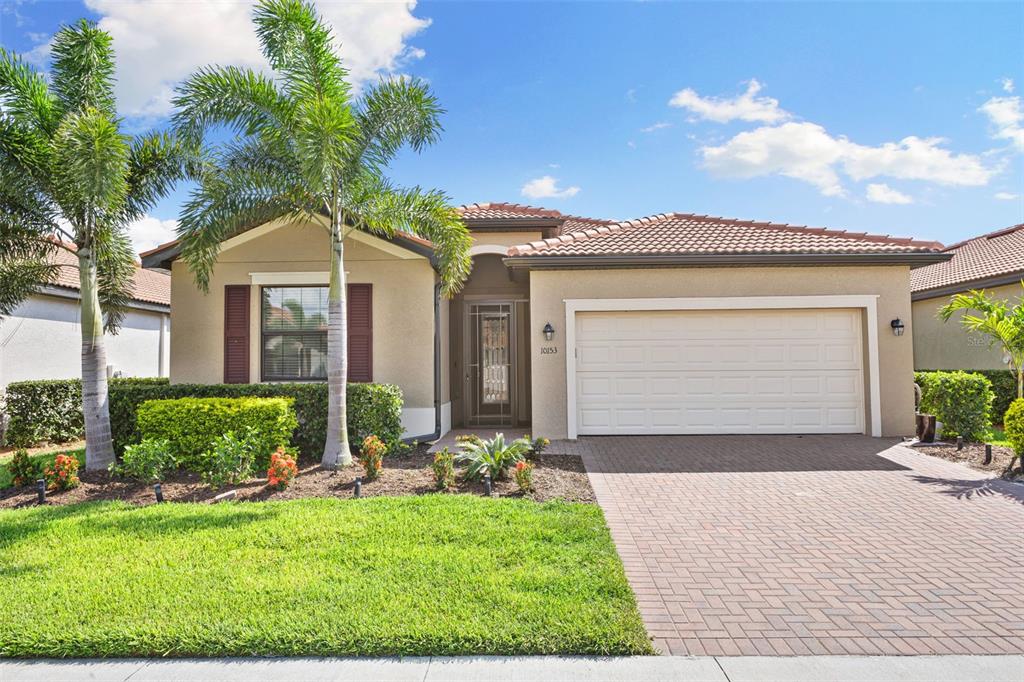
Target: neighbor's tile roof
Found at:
506, 211
687, 234
149, 286
990, 255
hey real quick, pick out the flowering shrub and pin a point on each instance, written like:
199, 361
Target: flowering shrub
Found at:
537, 445
63, 474
24, 469
282, 470
524, 475
444, 469
371, 455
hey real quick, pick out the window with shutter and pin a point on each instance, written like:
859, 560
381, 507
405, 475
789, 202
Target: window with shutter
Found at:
236, 334
294, 333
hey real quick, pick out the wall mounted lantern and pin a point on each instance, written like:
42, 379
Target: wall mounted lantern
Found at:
897, 326
549, 331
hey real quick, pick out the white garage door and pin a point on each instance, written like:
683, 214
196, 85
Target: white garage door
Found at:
731, 371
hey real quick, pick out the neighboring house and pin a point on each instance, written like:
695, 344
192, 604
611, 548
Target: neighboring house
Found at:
42, 338
993, 262
668, 324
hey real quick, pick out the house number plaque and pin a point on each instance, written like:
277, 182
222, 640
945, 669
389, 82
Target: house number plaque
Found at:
548, 350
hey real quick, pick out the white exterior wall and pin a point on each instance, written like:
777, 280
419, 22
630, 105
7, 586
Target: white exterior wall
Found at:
42, 340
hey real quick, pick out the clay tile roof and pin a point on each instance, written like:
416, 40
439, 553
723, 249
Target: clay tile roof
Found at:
688, 234
990, 255
149, 286
505, 211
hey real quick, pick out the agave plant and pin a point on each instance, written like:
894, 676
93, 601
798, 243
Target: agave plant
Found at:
493, 457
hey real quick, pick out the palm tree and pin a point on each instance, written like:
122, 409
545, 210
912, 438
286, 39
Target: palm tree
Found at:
996, 319
305, 149
70, 179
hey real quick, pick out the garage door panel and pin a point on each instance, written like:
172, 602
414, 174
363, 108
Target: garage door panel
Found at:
720, 372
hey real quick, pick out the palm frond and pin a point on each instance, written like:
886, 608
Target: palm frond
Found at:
25, 95
245, 101
156, 161
392, 114
23, 150
83, 68
115, 268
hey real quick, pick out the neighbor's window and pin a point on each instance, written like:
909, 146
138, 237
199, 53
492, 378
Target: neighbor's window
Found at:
294, 328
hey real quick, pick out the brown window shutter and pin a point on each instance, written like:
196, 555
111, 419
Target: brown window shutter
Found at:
236, 334
360, 332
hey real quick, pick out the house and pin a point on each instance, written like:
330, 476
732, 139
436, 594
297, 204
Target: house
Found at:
42, 338
674, 323
993, 262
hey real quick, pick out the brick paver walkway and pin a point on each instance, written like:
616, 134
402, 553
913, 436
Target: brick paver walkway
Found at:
784, 545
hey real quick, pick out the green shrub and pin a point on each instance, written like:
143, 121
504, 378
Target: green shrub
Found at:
372, 408
1013, 424
962, 401
24, 470
51, 410
191, 425
1004, 386
149, 461
492, 457
231, 459
444, 469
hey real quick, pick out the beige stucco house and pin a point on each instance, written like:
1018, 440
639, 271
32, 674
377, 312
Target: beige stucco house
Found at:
573, 326
993, 262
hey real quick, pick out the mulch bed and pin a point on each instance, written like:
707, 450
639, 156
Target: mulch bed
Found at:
559, 477
1003, 463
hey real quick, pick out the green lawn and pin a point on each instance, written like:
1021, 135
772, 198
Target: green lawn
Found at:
996, 436
437, 574
45, 458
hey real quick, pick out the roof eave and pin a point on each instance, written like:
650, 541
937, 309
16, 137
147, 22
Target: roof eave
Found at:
59, 291
968, 285
541, 262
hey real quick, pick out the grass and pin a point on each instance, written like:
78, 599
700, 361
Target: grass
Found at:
44, 458
996, 436
437, 574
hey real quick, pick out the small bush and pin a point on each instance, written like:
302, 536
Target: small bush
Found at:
372, 408
149, 461
444, 469
524, 475
282, 471
371, 455
960, 400
191, 425
24, 469
63, 474
1004, 386
492, 457
1013, 424
231, 459
537, 445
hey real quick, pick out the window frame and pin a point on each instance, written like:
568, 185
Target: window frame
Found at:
264, 378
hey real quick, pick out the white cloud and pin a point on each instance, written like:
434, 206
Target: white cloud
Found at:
149, 232
1007, 84
745, 107
806, 151
546, 187
1007, 116
159, 44
1006, 196
660, 125
881, 193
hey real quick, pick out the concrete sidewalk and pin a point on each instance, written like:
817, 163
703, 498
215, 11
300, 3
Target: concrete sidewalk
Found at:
525, 668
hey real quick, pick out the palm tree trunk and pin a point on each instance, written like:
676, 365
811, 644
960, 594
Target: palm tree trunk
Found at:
99, 448
336, 448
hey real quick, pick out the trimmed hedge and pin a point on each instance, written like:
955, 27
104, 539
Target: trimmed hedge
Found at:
962, 401
51, 410
191, 425
1014, 426
372, 408
1004, 386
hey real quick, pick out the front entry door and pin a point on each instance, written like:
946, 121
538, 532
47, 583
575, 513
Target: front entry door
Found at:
490, 372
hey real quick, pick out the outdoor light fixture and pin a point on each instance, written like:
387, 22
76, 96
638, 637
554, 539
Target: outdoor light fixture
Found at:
158, 490
357, 490
41, 491
549, 331
897, 326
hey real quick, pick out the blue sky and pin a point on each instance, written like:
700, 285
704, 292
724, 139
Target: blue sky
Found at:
893, 118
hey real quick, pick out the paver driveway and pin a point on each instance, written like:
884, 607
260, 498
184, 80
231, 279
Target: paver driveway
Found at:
812, 545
